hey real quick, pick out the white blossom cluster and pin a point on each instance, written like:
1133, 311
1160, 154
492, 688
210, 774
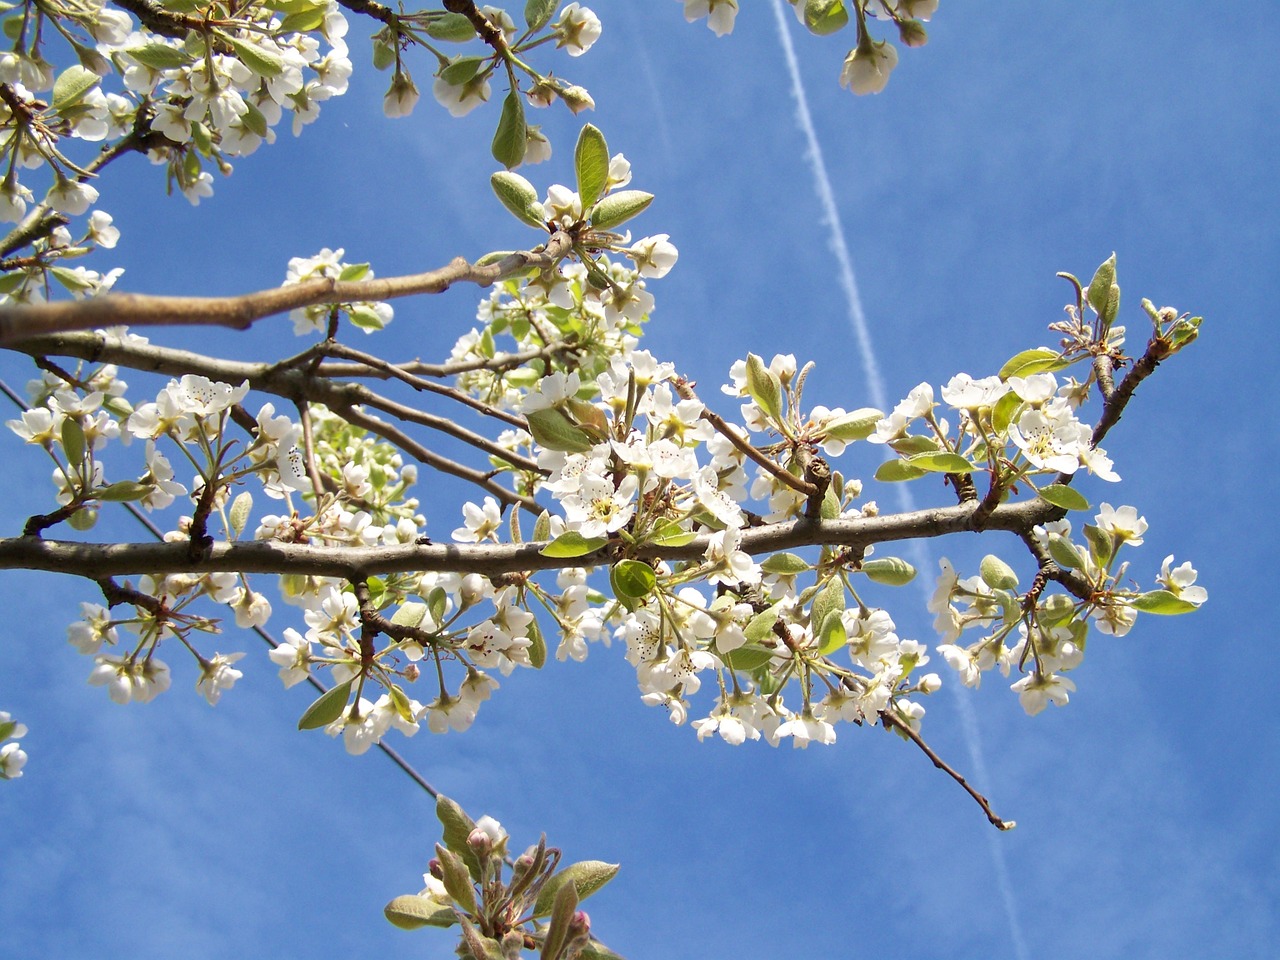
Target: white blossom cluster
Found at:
12, 757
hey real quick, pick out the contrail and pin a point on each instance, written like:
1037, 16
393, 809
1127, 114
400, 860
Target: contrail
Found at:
875, 382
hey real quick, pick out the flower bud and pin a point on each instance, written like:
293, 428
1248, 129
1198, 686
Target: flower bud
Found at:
912, 33
577, 99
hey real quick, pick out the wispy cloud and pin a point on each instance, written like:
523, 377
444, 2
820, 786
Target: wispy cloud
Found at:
875, 382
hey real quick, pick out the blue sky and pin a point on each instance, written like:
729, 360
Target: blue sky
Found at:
1023, 140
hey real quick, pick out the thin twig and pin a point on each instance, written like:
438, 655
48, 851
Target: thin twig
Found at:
890, 720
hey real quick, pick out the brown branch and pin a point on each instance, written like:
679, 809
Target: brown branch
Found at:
394, 435
889, 719
1075, 583
240, 312
487, 31
369, 8
727, 431
97, 560
159, 20
393, 371
506, 361
1113, 407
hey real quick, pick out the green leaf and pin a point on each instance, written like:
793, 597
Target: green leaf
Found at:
456, 878
518, 196
327, 708
73, 441
364, 316
400, 700
159, 56
411, 911
892, 471
632, 579
595, 950
537, 645
384, 54
787, 564
588, 876
461, 69
857, 425
263, 62
83, 519
562, 910
997, 574
457, 827
764, 386
1063, 496
304, 21
1100, 289
830, 599
1031, 361
1002, 413
122, 491
353, 271
437, 603
7, 728
760, 627
1163, 603
1065, 553
748, 658
451, 28
411, 614
670, 534
572, 544
553, 430
891, 571
617, 208
538, 13
911, 445
831, 636
542, 526
71, 86
942, 463
823, 17
591, 165
1101, 546
511, 137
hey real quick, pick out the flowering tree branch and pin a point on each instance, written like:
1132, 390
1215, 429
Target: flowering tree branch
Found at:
23, 321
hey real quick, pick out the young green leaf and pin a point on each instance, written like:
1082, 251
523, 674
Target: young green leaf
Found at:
553, 430
412, 911
538, 13
942, 463
73, 441
451, 28
764, 386
588, 876
617, 208
457, 827
892, 471
1163, 603
518, 196
632, 579
72, 85
891, 571
1063, 496
511, 137
997, 574
327, 708
1031, 361
572, 544
591, 165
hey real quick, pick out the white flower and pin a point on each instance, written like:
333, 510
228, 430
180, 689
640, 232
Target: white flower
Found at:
867, 68
293, 657
1035, 692
479, 523
70, 197
719, 14
654, 256
1124, 524
577, 29
1050, 440
217, 675
1179, 580
12, 759
460, 98
965, 393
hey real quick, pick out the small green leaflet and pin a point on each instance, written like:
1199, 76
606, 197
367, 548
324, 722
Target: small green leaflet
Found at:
591, 164
617, 208
511, 137
891, 471
412, 911
572, 544
1162, 602
538, 13
1039, 360
553, 430
587, 875
71, 86
632, 579
1063, 496
942, 463
891, 571
327, 708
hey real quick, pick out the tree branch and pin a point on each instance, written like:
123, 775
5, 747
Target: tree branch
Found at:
97, 560
240, 312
